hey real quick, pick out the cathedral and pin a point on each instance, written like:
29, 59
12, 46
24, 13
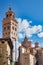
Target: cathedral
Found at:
29, 55
9, 53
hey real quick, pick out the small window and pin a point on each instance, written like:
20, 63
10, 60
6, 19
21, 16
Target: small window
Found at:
7, 15
2, 42
4, 28
13, 23
8, 27
10, 14
6, 33
13, 27
13, 38
4, 63
25, 58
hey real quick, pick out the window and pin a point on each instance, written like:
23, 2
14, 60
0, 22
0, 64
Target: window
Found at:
10, 14
6, 33
7, 15
8, 27
2, 42
13, 23
13, 27
4, 63
13, 38
4, 28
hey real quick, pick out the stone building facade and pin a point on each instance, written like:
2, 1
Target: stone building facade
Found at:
29, 55
6, 48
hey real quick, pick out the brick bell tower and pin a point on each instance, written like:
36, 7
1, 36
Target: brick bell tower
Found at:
9, 29
9, 26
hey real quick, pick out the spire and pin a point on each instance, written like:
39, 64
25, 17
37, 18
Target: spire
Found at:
10, 8
25, 36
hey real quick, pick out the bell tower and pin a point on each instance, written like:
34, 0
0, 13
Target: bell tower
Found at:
9, 30
9, 25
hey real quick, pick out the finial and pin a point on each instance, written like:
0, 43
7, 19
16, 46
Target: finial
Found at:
25, 36
10, 9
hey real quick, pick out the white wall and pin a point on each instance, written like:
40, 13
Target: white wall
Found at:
16, 45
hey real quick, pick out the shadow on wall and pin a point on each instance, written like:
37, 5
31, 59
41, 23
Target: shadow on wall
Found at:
17, 63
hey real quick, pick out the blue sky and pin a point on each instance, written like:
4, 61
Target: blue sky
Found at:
31, 10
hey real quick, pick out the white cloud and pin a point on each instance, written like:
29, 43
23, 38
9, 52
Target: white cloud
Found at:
33, 30
36, 29
18, 20
24, 25
40, 34
28, 32
20, 35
